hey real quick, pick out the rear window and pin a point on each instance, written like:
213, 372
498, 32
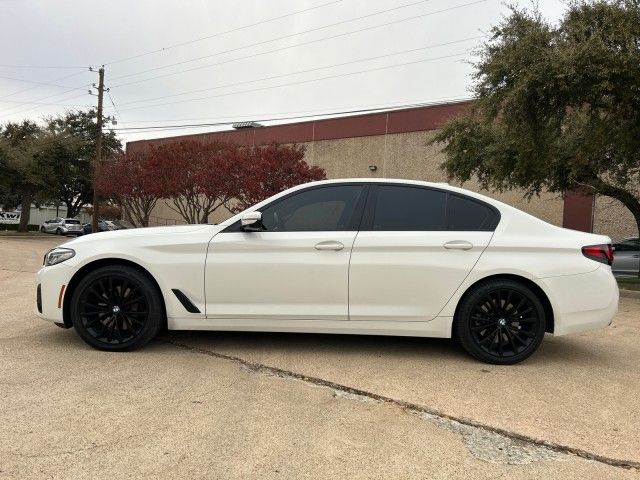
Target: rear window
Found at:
403, 208
466, 214
72, 222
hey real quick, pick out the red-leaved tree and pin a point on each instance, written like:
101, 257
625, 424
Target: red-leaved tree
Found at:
196, 178
270, 169
130, 180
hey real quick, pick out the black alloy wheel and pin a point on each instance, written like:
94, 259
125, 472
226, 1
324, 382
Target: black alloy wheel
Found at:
501, 322
117, 308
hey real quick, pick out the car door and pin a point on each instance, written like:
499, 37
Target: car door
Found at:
53, 225
297, 267
415, 247
626, 257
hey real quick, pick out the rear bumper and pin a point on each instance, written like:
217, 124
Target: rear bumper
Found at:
582, 302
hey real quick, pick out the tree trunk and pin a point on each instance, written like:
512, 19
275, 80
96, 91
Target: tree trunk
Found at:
624, 196
25, 212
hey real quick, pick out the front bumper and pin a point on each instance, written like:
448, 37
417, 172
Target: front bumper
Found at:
51, 282
582, 302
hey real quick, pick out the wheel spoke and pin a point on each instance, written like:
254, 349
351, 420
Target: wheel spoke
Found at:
490, 336
511, 342
137, 299
516, 335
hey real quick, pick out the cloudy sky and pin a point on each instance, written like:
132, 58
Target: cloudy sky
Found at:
171, 62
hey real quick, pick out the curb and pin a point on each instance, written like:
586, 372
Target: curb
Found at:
629, 293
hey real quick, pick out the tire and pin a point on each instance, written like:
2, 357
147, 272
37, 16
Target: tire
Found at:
117, 308
500, 322
41, 229
58, 231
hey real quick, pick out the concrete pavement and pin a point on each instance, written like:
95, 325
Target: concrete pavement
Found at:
238, 405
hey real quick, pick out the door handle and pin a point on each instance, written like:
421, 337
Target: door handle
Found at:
329, 245
458, 245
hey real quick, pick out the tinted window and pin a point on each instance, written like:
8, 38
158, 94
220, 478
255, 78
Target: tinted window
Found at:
318, 209
409, 208
465, 214
630, 245
72, 222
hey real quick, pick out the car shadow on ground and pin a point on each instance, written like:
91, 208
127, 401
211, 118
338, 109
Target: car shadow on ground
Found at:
554, 351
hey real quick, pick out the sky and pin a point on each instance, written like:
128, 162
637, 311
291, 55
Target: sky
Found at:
171, 62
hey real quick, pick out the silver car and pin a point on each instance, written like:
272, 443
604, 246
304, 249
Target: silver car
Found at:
62, 226
626, 257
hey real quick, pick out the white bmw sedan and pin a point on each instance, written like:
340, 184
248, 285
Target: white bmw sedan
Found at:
358, 256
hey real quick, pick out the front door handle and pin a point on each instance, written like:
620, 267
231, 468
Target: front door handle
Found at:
329, 245
458, 245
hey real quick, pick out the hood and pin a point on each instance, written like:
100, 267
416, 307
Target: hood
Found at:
144, 232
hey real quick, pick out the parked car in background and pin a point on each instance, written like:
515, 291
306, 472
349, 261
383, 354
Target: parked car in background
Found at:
122, 224
626, 257
62, 226
102, 227
108, 225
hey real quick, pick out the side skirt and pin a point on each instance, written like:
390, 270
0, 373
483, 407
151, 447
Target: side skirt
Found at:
439, 327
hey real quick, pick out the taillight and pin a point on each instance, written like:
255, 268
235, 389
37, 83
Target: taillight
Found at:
600, 253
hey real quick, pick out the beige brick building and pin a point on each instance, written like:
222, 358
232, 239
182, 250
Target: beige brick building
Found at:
395, 144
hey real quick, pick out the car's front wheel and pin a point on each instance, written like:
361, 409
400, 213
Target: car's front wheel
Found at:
500, 321
117, 308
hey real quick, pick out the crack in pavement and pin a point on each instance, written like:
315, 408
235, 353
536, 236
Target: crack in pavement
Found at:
464, 426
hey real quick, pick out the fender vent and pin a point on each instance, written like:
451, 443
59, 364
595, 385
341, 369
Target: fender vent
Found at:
39, 298
184, 300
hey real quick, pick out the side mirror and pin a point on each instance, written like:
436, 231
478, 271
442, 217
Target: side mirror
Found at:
251, 222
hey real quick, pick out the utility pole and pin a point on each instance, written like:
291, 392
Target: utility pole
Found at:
96, 166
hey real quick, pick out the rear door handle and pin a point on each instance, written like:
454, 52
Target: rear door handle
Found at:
458, 245
329, 245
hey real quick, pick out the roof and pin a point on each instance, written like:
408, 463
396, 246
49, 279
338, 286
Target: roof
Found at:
424, 118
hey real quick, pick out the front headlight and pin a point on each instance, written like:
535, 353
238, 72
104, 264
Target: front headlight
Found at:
58, 255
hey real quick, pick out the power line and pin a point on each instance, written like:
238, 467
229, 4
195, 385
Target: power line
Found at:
289, 46
116, 110
300, 113
375, 108
39, 103
40, 83
225, 32
35, 82
300, 82
54, 67
8, 113
377, 57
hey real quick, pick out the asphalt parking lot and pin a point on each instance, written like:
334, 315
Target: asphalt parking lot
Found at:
241, 405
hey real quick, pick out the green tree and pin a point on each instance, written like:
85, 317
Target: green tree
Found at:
557, 106
26, 167
73, 157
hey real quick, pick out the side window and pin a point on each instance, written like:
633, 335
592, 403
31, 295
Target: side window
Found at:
409, 208
628, 246
320, 209
465, 214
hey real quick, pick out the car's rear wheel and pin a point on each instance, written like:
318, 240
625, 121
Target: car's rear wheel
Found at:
41, 229
500, 321
58, 231
117, 308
